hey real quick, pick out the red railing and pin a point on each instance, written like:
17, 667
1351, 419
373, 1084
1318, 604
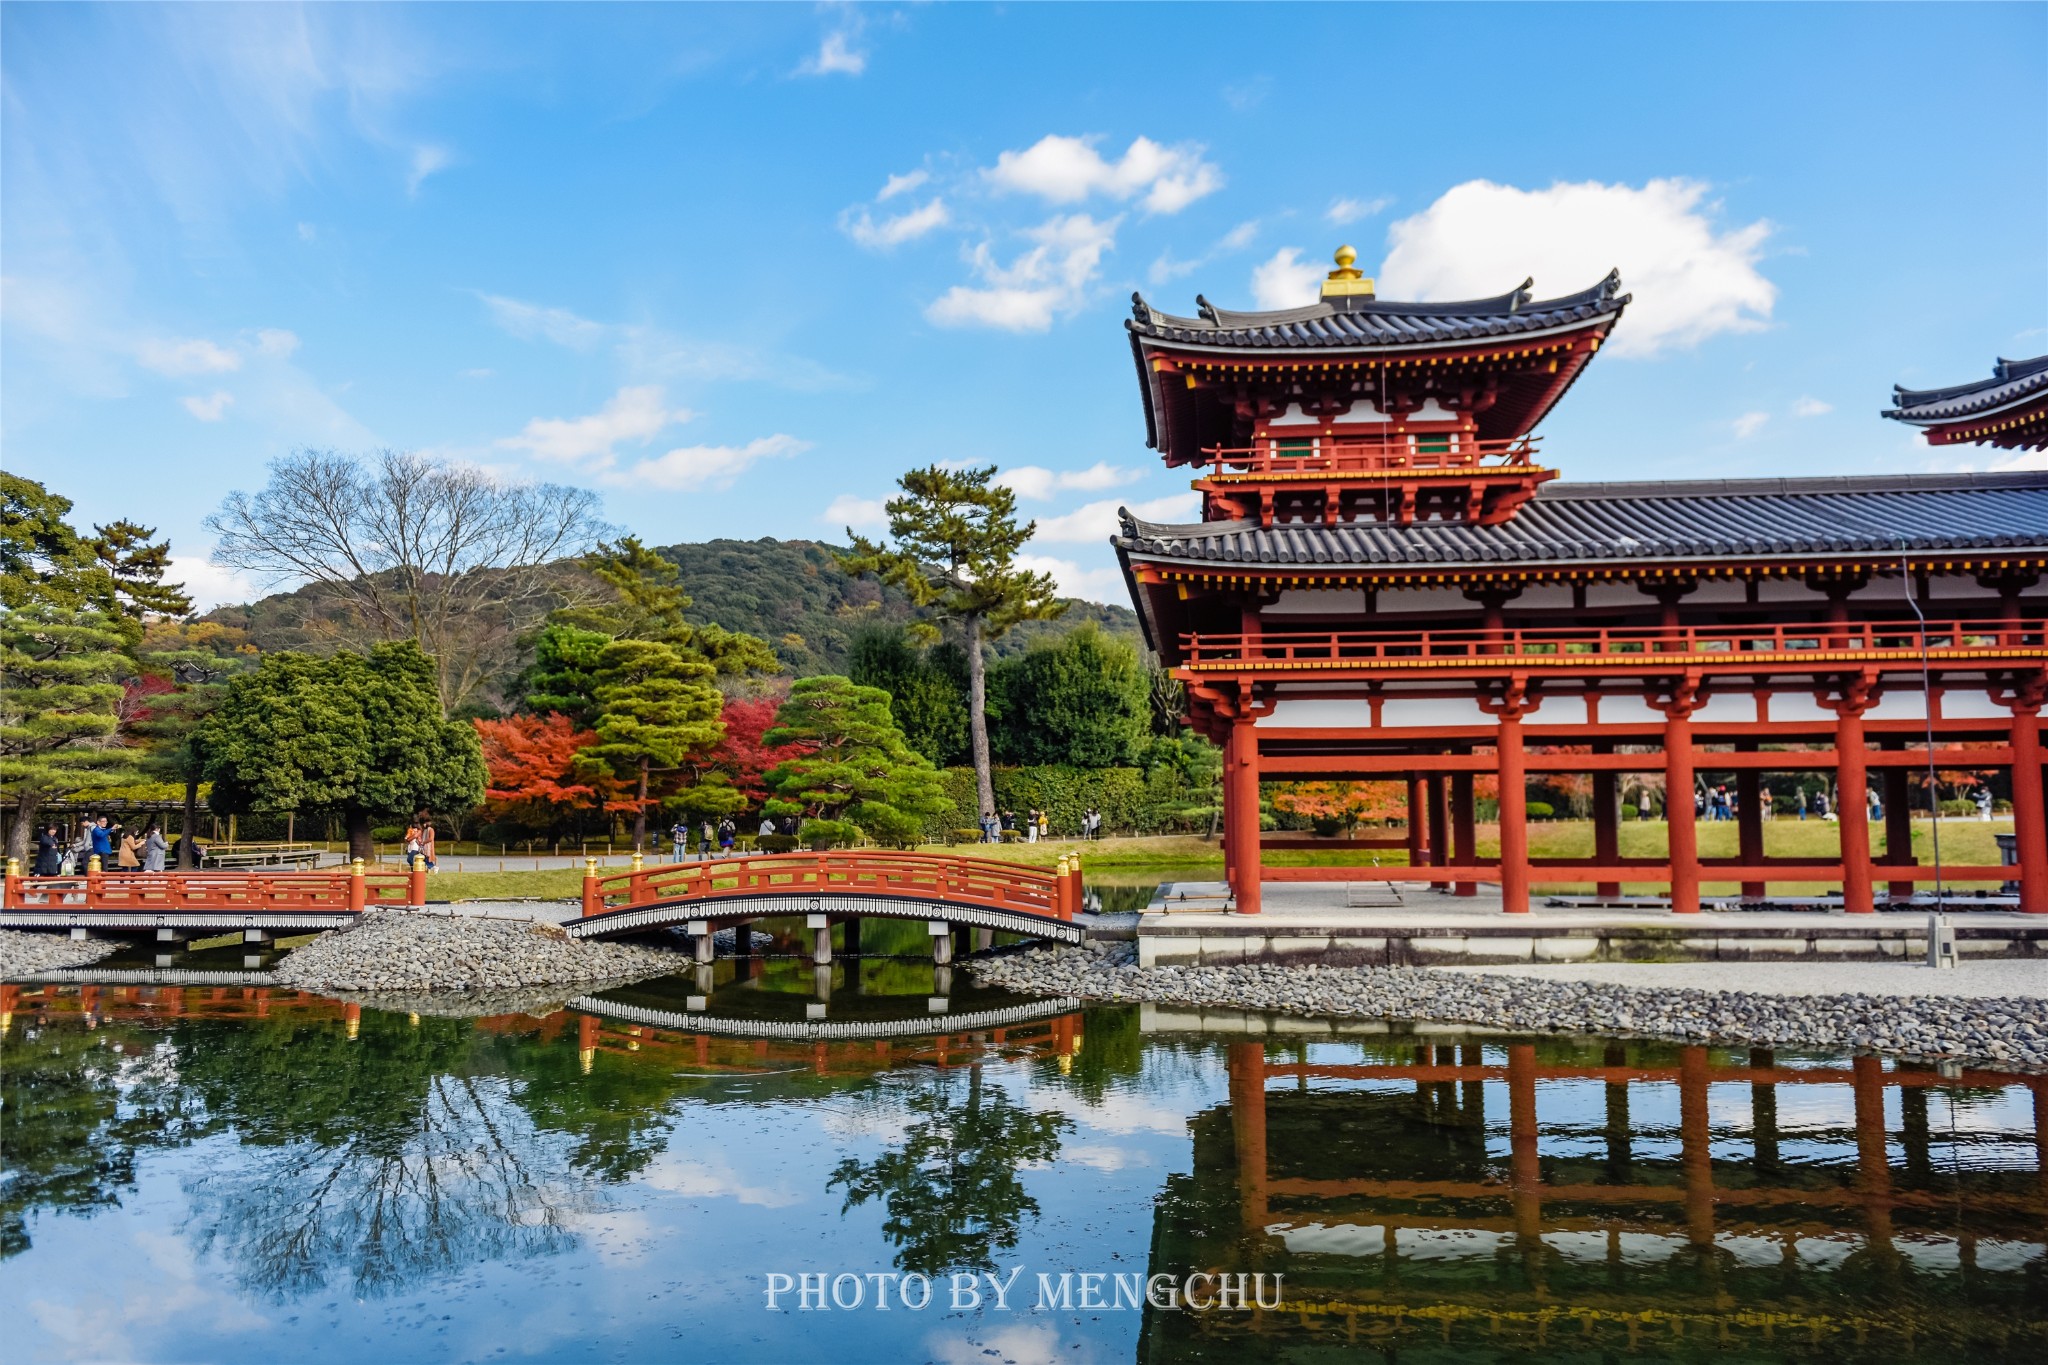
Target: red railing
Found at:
1339, 456
1551, 647
173, 892
952, 878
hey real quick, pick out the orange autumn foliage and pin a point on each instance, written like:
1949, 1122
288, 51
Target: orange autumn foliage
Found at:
531, 774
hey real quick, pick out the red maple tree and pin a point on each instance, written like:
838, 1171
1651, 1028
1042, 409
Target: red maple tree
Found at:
531, 775
742, 755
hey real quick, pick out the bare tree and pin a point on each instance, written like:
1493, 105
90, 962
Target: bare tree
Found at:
448, 555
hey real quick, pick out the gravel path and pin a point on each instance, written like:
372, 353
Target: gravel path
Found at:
403, 951
25, 954
2020, 978
2005, 1032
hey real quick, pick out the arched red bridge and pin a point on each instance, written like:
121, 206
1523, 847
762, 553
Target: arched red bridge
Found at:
947, 890
176, 904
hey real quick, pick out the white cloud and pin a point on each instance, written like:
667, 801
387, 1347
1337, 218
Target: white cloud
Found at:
211, 408
480, 372
1343, 211
902, 184
307, 232
1096, 521
1039, 483
1166, 268
276, 341
1050, 279
1749, 424
636, 413
426, 161
1691, 278
1067, 170
1286, 280
529, 322
193, 356
836, 56
698, 467
860, 513
1093, 584
1811, 407
860, 225
210, 585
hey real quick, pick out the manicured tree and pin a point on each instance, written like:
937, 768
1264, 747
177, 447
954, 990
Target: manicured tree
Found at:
857, 772
562, 679
956, 543
60, 697
655, 709
354, 737
641, 597
1083, 701
927, 688
127, 576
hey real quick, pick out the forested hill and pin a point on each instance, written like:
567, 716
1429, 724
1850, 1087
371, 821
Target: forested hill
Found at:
788, 592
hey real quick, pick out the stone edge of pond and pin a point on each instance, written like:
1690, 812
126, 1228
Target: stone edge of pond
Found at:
25, 953
1999, 1032
395, 951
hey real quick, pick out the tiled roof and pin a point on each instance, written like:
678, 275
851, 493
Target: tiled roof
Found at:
2010, 380
1353, 322
1651, 521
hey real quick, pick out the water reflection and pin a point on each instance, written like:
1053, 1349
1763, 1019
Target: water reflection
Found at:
623, 1171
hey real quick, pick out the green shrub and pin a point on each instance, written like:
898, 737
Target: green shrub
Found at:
387, 834
1959, 807
963, 836
1540, 810
1013, 836
777, 843
820, 835
1628, 811
1326, 826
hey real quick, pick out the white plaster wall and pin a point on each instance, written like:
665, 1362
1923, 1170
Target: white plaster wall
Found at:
1543, 598
1789, 591
1320, 602
1899, 706
1561, 711
1437, 600
1433, 711
1313, 713
1627, 709
1732, 708
1614, 595
1974, 704
1798, 706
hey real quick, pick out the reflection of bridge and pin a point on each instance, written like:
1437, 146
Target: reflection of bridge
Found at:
946, 891
1402, 1210
831, 1030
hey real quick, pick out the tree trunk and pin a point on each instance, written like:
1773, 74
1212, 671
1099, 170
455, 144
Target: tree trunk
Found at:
977, 718
25, 806
359, 845
188, 829
640, 808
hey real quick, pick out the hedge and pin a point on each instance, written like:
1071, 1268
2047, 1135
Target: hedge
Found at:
1131, 800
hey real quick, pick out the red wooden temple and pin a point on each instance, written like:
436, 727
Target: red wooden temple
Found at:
1388, 581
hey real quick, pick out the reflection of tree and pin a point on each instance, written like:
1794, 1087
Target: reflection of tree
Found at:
383, 1159
951, 1190
74, 1113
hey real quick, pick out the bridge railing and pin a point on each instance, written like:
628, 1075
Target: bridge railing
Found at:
344, 889
951, 878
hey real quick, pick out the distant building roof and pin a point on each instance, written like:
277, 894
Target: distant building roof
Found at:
1722, 520
2010, 381
1349, 323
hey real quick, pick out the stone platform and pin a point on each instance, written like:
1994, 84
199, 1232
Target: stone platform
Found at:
1411, 924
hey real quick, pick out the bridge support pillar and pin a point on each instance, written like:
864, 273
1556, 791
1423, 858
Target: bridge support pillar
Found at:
743, 939
169, 935
79, 933
942, 984
707, 979
851, 938
164, 959
821, 939
942, 941
984, 939
821, 981
261, 936
704, 948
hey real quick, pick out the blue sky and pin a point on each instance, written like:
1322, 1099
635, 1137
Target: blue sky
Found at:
737, 268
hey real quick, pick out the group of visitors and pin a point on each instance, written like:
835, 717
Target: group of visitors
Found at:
419, 841
722, 835
998, 828
118, 849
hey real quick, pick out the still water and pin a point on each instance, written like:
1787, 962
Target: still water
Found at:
234, 1173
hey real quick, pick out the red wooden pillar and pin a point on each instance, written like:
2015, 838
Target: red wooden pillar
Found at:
1684, 832
1514, 816
1606, 830
1695, 1138
1852, 806
1525, 1170
2029, 811
1749, 819
1439, 820
1464, 850
1248, 1132
1418, 823
1873, 1165
1241, 813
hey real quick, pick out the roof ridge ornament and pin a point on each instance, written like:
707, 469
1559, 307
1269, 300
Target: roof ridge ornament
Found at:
1346, 281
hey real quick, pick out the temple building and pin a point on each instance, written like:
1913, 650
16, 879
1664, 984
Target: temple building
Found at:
1389, 580
2009, 410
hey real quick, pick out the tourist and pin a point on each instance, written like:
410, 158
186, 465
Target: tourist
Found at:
1042, 826
49, 851
1031, 825
1799, 803
427, 842
1007, 823
727, 833
414, 847
1983, 801
678, 841
988, 827
705, 834
153, 849
128, 852
1875, 802
101, 836
767, 826
1820, 804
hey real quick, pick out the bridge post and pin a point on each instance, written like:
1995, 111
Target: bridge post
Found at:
701, 941
821, 939
358, 889
942, 941
94, 880
416, 883
593, 899
12, 897
852, 937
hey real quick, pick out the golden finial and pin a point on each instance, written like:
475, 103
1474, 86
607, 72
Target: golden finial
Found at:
1346, 279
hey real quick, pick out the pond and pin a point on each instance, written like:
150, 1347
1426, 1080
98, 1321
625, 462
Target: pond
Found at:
233, 1173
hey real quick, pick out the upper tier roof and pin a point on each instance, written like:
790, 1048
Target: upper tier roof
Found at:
1356, 322
1692, 520
2010, 381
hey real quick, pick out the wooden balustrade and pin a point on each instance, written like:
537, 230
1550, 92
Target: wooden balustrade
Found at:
348, 889
1326, 456
1748, 648
950, 878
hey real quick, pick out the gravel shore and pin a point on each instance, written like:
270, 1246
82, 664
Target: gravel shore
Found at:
397, 951
2007, 1033
24, 954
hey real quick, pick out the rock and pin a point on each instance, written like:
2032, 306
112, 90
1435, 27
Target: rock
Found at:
402, 951
25, 954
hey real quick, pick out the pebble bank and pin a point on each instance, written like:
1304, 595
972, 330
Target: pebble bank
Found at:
23, 954
2009, 1034
394, 950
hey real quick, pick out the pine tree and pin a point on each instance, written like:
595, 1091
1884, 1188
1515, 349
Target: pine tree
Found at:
654, 709
856, 771
643, 599
957, 540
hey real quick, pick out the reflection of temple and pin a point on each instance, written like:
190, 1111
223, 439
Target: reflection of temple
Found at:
1654, 1197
